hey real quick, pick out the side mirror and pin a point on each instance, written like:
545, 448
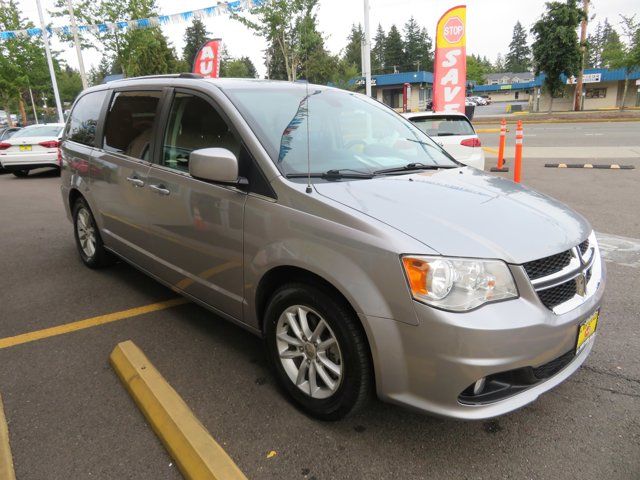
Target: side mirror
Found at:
214, 165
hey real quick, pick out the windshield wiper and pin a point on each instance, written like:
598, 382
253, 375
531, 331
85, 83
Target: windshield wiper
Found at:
333, 174
411, 167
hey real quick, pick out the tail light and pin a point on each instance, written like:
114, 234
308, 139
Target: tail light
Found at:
59, 157
471, 142
50, 144
4, 145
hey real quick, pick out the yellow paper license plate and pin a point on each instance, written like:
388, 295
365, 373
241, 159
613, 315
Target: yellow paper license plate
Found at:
25, 148
586, 330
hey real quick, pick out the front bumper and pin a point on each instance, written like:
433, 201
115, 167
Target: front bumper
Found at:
428, 366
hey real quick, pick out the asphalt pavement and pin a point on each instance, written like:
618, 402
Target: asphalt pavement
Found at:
70, 418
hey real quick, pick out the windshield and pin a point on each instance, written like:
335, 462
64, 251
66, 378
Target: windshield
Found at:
442, 126
344, 130
40, 131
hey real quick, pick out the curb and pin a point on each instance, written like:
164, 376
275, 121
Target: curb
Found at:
613, 166
194, 450
563, 120
6, 460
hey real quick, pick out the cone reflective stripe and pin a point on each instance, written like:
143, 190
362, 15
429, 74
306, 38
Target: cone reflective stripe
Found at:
503, 140
518, 161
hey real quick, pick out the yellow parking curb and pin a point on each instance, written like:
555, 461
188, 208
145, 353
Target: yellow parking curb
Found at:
6, 460
196, 453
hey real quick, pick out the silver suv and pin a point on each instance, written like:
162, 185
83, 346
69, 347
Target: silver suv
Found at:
366, 257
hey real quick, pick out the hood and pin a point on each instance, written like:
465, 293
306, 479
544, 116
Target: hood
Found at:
465, 212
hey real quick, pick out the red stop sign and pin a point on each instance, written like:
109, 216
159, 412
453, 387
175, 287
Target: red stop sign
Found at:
453, 30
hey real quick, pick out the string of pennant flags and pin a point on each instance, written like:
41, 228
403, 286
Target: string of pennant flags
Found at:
219, 8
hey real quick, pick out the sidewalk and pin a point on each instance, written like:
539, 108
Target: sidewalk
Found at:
627, 115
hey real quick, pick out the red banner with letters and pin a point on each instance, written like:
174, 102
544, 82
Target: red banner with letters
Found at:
207, 61
450, 66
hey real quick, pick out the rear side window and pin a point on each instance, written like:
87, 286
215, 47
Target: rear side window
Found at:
84, 118
129, 126
442, 126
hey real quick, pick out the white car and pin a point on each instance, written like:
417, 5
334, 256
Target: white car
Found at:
454, 132
480, 101
32, 147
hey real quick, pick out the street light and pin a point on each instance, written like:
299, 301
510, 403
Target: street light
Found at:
52, 73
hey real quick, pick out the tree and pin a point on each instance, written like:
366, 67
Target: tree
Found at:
133, 51
612, 53
556, 50
352, 52
519, 57
377, 51
628, 55
417, 48
195, 36
476, 69
393, 50
238, 68
498, 67
69, 83
22, 62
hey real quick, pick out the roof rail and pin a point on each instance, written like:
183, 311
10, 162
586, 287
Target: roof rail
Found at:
166, 75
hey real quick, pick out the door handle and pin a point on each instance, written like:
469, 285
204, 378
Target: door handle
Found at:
161, 189
136, 181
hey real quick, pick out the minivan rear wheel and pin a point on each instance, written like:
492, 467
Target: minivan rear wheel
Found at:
317, 351
88, 239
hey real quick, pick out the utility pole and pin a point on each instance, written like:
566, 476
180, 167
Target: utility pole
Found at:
33, 106
366, 51
577, 99
52, 73
74, 29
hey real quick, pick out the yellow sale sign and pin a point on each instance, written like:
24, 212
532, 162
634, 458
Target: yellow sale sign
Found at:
450, 66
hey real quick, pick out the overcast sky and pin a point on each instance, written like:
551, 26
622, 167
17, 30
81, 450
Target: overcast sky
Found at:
489, 22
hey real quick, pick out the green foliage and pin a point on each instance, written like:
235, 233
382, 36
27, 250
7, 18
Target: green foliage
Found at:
519, 57
612, 55
377, 51
132, 52
597, 41
69, 84
556, 49
393, 50
238, 68
352, 52
195, 36
418, 48
477, 69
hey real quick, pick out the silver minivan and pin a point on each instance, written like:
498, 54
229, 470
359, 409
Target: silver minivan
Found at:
367, 258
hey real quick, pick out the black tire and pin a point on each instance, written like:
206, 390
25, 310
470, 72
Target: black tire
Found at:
100, 257
20, 173
356, 384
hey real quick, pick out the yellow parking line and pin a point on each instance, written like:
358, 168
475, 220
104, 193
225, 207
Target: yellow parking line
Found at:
194, 450
88, 323
6, 461
490, 150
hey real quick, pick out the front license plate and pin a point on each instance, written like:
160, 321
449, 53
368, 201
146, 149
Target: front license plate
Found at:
25, 148
586, 330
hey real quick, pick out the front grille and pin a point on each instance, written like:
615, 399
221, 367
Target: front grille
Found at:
584, 246
554, 296
547, 265
554, 366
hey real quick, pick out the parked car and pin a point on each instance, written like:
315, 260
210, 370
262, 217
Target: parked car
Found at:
8, 132
32, 147
479, 100
487, 99
471, 101
365, 255
453, 132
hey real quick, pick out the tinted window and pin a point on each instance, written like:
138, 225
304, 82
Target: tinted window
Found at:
194, 124
82, 125
442, 126
39, 131
129, 124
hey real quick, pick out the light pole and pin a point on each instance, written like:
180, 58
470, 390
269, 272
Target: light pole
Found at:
74, 29
52, 73
366, 52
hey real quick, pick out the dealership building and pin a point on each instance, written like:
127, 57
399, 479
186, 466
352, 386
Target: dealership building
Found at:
602, 89
388, 89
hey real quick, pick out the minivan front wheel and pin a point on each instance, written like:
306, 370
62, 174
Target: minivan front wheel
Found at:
21, 173
317, 350
88, 240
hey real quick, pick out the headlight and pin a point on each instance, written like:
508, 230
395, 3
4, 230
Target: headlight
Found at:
458, 284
